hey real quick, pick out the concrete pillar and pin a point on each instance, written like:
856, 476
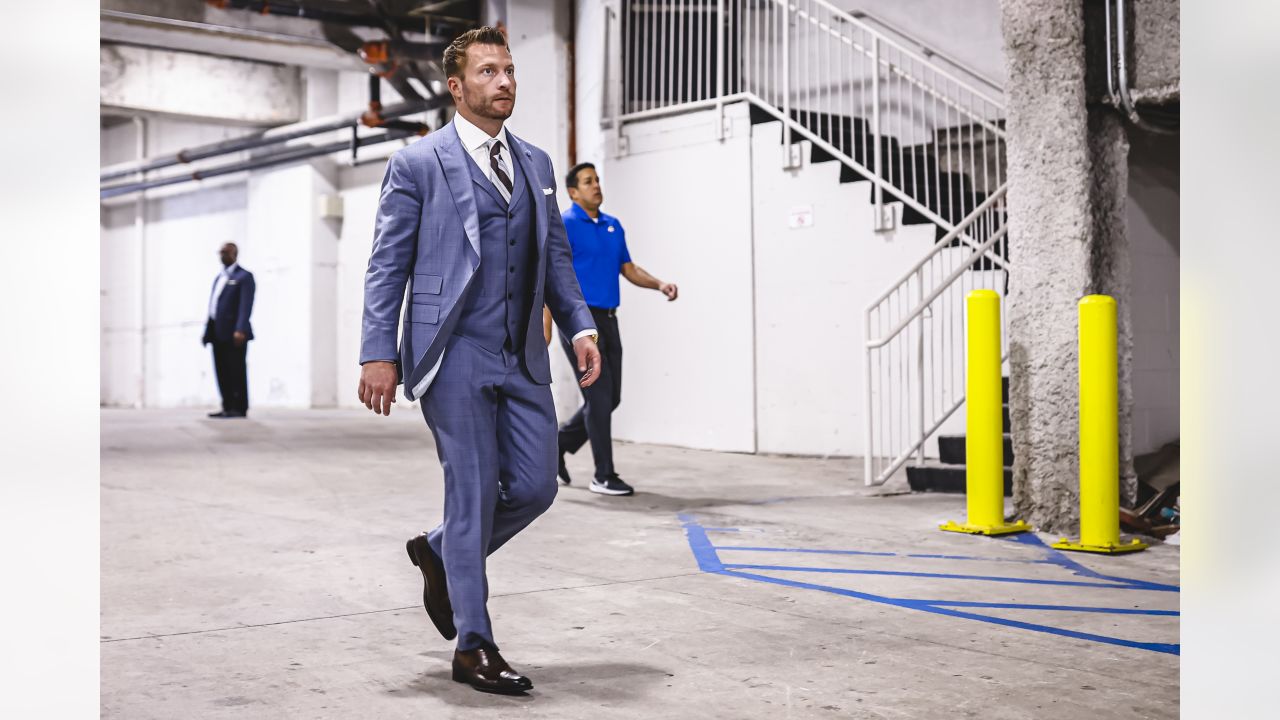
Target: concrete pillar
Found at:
292, 252
538, 32
1068, 178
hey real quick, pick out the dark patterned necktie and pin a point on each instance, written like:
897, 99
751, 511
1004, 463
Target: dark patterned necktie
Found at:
499, 171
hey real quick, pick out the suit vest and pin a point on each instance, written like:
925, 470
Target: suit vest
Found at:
498, 308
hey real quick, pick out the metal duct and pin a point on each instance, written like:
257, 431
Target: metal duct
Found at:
274, 136
280, 158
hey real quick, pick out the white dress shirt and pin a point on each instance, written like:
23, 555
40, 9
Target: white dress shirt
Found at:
476, 142
218, 286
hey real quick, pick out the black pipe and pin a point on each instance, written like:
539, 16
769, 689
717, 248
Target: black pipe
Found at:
375, 90
280, 158
424, 52
416, 128
274, 136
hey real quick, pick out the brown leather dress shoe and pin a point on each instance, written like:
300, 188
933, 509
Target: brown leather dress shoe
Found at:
486, 671
435, 589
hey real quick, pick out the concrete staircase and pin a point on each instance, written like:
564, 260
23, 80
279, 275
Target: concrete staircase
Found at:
948, 473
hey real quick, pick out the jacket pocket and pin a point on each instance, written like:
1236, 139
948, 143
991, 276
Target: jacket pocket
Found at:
427, 284
423, 313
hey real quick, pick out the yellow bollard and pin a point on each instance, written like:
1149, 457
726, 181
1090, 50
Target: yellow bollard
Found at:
1099, 432
984, 431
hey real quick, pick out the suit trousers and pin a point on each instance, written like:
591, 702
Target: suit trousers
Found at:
594, 420
495, 433
229, 365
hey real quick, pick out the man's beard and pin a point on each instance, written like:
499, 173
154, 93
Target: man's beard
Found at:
486, 109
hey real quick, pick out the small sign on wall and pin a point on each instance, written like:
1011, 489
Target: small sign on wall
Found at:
800, 216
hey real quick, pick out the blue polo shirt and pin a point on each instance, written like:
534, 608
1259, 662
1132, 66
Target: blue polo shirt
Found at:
599, 252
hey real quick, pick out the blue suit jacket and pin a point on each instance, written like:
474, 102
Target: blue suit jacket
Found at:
427, 235
234, 306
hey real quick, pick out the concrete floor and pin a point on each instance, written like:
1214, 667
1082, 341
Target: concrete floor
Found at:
256, 569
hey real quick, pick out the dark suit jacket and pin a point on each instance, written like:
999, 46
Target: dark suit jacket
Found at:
234, 305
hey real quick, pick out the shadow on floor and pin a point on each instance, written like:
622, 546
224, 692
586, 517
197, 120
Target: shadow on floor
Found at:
623, 683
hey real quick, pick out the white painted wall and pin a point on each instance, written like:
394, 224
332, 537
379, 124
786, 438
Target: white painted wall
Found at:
360, 189
272, 215
967, 30
538, 32
1154, 241
812, 285
685, 202
777, 311
153, 357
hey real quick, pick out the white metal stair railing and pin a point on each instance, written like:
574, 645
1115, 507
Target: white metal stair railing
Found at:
919, 133
914, 367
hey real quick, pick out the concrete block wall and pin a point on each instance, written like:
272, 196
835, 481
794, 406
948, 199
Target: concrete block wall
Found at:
1154, 243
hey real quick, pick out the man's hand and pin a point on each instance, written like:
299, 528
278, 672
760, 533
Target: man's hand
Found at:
378, 386
588, 360
670, 290
240, 338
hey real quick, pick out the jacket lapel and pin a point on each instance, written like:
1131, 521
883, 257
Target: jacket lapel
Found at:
525, 158
453, 162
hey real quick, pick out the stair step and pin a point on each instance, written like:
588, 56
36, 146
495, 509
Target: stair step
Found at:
952, 449
911, 216
758, 115
912, 168
935, 477
818, 155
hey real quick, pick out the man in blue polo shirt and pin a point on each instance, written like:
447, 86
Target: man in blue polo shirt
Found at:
599, 256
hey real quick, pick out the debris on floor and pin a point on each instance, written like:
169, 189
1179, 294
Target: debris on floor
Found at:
1158, 512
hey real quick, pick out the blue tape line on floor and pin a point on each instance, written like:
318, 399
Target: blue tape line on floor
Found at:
939, 576
1052, 608
708, 559
1054, 556
805, 550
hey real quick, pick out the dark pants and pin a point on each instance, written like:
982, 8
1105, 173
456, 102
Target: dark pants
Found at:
233, 377
594, 420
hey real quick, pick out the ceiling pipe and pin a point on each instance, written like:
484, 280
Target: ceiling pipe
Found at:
296, 9
274, 136
572, 93
373, 116
290, 155
1118, 77
384, 52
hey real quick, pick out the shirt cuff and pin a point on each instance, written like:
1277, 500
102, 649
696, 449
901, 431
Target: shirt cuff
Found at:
584, 333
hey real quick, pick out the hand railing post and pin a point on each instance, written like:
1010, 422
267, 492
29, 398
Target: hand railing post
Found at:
720, 71
868, 419
920, 365
878, 170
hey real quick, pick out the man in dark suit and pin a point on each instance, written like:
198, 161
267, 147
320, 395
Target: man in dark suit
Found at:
229, 331
468, 221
